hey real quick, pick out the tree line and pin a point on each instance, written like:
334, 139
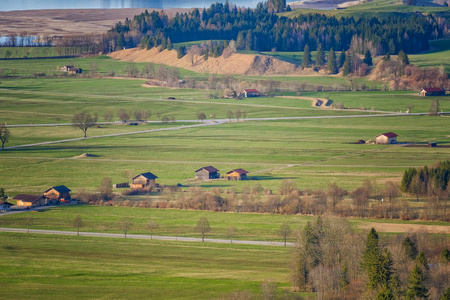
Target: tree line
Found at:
369, 200
381, 34
430, 182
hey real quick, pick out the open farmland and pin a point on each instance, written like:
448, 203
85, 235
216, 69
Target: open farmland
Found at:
83, 268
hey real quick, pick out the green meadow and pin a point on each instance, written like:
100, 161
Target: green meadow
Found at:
44, 267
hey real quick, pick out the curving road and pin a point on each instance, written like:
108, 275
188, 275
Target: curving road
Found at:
207, 123
144, 237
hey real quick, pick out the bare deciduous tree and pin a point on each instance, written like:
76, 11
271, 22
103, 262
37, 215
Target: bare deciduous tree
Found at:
84, 121
125, 225
108, 116
78, 223
151, 226
203, 227
123, 115
4, 134
231, 232
284, 231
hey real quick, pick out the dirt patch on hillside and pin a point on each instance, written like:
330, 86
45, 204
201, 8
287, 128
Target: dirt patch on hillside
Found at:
85, 155
61, 22
236, 64
316, 102
392, 227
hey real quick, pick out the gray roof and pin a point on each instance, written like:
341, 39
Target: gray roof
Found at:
210, 169
60, 189
147, 175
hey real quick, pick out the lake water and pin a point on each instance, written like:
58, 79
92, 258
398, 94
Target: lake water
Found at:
7, 5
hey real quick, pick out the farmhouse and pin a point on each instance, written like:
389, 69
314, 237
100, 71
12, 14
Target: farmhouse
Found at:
58, 193
237, 174
250, 93
71, 70
5, 206
432, 92
207, 173
386, 138
143, 181
30, 200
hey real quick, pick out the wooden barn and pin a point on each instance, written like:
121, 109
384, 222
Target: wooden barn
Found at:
58, 193
5, 206
386, 138
432, 92
143, 181
237, 174
250, 93
30, 200
208, 172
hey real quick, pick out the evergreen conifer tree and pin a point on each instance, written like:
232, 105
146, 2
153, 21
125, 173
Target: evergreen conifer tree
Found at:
346, 68
416, 288
409, 248
342, 57
169, 44
422, 260
319, 55
332, 65
368, 58
306, 61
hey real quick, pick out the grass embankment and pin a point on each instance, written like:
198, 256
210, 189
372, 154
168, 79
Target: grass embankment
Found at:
87, 268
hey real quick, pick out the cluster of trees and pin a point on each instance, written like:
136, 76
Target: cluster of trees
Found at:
381, 34
368, 200
332, 260
430, 182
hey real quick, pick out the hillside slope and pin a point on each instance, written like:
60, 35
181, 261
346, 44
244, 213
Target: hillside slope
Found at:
236, 64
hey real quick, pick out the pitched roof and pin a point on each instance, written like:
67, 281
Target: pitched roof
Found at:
60, 189
388, 134
210, 169
27, 198
251, 90
239, 171
147, 175
433, 90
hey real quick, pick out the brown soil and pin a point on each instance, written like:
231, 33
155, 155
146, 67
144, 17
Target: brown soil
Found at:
85, 155
316, 102
60, 22
392, 227
242, 64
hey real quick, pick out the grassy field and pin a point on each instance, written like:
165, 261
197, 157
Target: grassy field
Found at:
89, 268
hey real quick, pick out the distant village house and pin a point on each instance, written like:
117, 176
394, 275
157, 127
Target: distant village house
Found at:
208, 172
386, 138
57, 194
5, 206
432, 92
237, 174
143, 181
30, 200
71, 70
250, 93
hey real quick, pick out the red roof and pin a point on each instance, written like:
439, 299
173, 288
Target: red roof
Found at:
239, 171
388, 134
433, 90
250, 90
210, 169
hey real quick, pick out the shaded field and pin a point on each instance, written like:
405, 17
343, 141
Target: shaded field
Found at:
87, 268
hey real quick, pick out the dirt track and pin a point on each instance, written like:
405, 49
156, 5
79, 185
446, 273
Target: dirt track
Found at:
395, 227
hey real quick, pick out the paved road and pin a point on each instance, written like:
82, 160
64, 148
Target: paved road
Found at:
144, 237
211, 123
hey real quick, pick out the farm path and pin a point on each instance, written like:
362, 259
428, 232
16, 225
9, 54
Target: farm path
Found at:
145, 237
208, 123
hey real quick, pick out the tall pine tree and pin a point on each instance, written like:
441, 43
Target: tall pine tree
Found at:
416, 288
368, 58
332, 65
306, 61
320, 54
